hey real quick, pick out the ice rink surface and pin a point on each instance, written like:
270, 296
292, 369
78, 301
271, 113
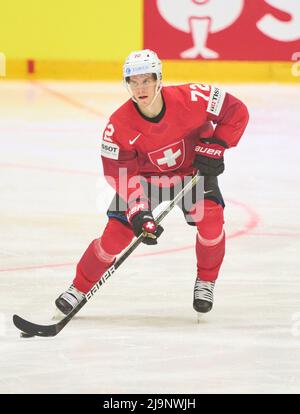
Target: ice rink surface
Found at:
139, 334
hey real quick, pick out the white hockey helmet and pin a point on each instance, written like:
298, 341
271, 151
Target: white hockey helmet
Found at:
141, 62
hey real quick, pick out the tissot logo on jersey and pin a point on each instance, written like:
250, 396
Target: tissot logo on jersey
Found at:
110, 150
216, 100
168, 158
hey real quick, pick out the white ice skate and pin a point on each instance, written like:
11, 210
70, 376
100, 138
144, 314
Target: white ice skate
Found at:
203, 296
68, 300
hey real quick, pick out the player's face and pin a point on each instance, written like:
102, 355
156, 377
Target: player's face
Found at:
143, 88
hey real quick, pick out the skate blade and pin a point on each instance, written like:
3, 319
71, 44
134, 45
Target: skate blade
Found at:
200, 317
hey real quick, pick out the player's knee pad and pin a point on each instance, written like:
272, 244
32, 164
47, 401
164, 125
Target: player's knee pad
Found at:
116, 237
210, 228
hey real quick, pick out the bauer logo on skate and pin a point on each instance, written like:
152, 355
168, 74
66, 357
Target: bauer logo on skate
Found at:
168, 158
110, 150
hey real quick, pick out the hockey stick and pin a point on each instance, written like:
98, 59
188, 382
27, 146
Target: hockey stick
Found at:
33, 329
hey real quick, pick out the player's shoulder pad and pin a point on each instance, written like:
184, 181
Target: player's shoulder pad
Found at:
116, 133
177, 91
208, 96
216, 99
111, 142
123, 110
198, 96
180, 94
110, 148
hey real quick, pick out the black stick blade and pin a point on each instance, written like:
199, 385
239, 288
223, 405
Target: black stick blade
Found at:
34, 329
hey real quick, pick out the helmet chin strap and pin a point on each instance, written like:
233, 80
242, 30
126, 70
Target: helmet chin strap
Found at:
158, 89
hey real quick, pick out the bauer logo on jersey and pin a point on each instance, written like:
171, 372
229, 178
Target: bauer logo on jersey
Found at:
216, 100
168, 158
110, 150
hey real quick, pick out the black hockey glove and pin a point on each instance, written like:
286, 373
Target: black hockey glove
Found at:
142, 221
209, 158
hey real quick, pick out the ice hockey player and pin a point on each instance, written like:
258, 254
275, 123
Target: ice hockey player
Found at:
161, 135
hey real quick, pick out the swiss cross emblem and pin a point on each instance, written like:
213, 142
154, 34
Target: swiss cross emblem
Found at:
168, 158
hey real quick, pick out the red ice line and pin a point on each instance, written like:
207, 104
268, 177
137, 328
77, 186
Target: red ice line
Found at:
67, 99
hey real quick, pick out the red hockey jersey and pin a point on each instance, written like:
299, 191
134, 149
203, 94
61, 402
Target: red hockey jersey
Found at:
134, 146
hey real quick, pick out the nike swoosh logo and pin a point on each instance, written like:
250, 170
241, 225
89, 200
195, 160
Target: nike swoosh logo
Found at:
132, 141
205, 192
